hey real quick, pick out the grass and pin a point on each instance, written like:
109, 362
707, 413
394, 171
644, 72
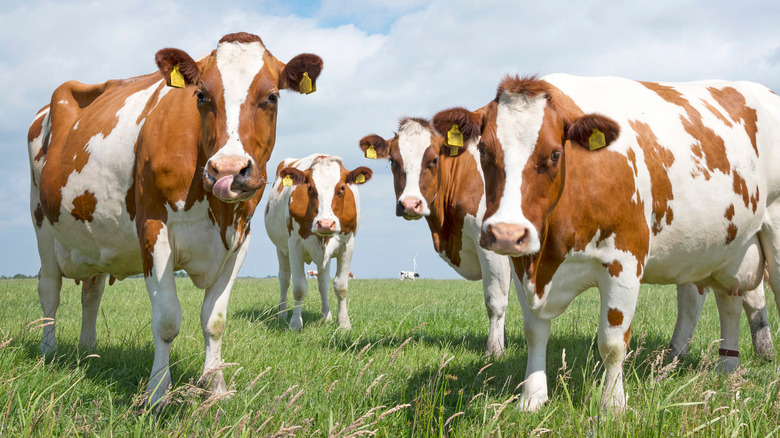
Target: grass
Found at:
412, 365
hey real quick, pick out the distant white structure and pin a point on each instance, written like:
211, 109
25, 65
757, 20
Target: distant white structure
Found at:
409, 275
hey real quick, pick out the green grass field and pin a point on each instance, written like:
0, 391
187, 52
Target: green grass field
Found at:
412, 365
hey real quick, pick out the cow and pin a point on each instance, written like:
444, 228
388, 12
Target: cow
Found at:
408, 275
449, 194
313, 214
311, 274
157, 173
610, 182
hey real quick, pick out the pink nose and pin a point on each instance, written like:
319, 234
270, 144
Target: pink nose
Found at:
505, 238
230, 165
412, 206
326, 226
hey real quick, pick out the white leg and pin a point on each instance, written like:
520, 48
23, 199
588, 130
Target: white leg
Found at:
166, 312
496, 274
754, 304
299, 284
284, 283
537, 334
729, 312
91, 293
341, 282
49, 286
213, 318
769, 236
323, 278
690, 301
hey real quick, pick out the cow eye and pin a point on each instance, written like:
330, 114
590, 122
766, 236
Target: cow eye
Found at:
272, 98
202, 97
555, 156
433, 163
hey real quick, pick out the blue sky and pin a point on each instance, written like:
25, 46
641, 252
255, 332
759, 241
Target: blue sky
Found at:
383, 60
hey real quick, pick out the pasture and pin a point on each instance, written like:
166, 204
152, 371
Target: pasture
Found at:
412, 365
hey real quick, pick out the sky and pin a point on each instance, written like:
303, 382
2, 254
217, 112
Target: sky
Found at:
383, 60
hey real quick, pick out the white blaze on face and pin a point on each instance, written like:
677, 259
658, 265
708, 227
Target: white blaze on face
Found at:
518, 122
238, 63
326, 174
413, 140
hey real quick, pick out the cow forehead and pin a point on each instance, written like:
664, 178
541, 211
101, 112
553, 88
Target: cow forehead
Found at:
326, 174
238, 65
518, 121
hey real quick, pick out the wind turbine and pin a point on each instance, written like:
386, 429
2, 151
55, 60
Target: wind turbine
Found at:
414, 260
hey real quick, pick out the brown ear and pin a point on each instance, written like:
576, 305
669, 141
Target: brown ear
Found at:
585, 131
381, 148
167, 59
293, 72
468, 123
295, 175
354, 177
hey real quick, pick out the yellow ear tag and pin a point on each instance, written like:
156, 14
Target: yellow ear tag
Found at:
360, 179
597, 140
177, 79
371, 152
287, 181
306, 85
454, 140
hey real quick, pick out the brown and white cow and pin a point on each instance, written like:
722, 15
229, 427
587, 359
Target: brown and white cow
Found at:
449, 194
154, 174
313, 214
610, 182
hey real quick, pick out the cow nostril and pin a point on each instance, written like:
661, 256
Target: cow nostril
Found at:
247, 170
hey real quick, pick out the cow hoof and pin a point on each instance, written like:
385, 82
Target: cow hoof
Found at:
296, 324
327, 317
727, 364
532, 404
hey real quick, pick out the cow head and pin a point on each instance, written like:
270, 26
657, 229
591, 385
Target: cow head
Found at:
414, 158
323, 200
522, 142
236, 89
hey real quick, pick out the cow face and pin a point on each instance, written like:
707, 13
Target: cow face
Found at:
522, 139
323, 201
414, 160
236, 90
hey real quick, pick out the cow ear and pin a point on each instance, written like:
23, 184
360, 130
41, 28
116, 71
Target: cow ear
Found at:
457, 126
592, 131
291, 176
177, 67
301, 73
374, 146
359, 175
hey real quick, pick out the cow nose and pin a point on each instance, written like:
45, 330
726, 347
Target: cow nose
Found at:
236, 166
326, 226
411, 206
503, 238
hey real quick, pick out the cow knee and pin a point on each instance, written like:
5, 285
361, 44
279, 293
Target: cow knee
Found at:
340, 287
167, 325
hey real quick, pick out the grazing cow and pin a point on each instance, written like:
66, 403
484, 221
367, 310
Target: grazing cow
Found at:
409, 275
609, 182
154, 174
351, 275
312, 215
311, 274
449, 194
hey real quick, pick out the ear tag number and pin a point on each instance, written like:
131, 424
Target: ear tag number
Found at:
306, 86
454, 140
371, 152
287, 181
177, 79
597, 140
360, 179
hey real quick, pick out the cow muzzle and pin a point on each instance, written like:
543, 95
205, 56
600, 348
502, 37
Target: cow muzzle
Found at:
506, 239
231, 178
325, 227
410, 208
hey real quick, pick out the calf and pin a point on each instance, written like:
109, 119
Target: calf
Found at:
449, 194
609, 182
154, 174
312, 215
408, 275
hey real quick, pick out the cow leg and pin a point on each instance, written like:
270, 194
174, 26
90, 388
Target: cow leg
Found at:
49, 286
754, 304
769, 236
690, 301
299, 283
284, 283
537, 334
213, 319
341, 282
166, 311
495, 287
618, 303
323, 280
729, 312
91, 294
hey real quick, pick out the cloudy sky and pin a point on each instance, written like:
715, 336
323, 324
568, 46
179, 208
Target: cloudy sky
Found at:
383, 60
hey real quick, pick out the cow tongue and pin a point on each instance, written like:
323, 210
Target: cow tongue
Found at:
222, 188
